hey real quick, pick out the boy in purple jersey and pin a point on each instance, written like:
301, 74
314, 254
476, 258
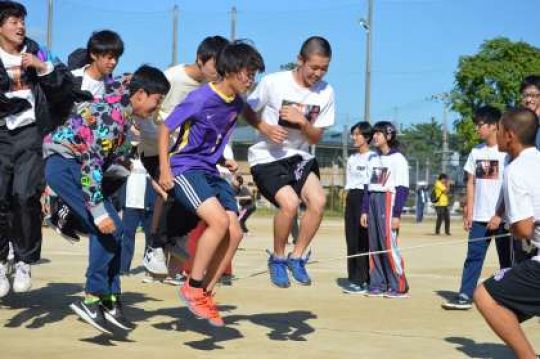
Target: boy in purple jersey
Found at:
206, 119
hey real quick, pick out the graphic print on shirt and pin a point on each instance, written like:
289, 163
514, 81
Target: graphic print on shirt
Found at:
310, 112
16, 75
379, 175
487, 169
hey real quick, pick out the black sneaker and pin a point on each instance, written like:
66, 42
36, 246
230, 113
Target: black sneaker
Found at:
114, 314
461, 302
92, 314
226, 279
60, 221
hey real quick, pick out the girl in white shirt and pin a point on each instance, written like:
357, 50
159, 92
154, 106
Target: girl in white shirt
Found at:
381, 212
356, 235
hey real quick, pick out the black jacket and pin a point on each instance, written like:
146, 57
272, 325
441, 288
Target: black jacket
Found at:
53, 93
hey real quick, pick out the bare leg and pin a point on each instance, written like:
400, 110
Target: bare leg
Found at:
288, 203
217, 222
314, 198
504, 323
225, 252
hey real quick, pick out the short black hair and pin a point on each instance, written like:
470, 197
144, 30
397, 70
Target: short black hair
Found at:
532, 80
442, 176
11, 9
487, 114
210, 48
523, 122
104, 42
388, 129
316, 45
239, 55
365, 129
150, 79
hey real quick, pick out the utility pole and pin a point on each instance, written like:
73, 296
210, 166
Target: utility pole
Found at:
427, 171
233, 23
368, 27
175, 12
49, 25
445, 141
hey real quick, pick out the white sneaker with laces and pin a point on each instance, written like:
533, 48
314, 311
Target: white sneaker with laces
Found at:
22, 281
4, 282
154, 261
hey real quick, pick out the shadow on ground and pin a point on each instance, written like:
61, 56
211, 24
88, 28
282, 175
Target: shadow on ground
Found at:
480, 350
50, 304
283, 327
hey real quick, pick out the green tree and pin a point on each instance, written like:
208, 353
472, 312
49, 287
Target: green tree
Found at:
422, 142
490, 77
288, 66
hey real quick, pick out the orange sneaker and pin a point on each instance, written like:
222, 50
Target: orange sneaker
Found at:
214, 319
196, 300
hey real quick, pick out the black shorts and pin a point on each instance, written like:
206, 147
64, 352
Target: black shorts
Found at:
518, 289
292, 171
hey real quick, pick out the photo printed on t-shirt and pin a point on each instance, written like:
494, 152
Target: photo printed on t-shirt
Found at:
310, 112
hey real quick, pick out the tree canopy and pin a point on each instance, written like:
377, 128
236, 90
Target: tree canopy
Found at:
490, 77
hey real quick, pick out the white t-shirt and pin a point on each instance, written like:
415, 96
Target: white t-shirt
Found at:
521, 188
357, 170
181, 85
486, 164
386, 172
20, 89
95, 87
279, 89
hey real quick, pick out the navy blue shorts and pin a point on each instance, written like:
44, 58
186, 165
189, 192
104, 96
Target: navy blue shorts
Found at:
192, 188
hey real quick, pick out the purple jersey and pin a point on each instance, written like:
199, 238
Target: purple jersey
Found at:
206, 119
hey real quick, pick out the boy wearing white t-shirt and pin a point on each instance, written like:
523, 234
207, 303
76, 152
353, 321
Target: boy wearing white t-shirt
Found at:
388, 190
512, 295
484, 167
294, 107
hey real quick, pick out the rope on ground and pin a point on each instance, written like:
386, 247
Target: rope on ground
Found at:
402, 249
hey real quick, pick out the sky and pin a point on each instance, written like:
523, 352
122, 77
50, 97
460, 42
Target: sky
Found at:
416, 43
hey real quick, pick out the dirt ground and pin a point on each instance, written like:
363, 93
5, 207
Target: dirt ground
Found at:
262, 321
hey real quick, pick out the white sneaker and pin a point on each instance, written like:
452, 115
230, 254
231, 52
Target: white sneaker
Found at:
4, 282
154, 261
22, 281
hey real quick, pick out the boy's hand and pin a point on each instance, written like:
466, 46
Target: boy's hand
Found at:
275, 133
159, 190
291, 114
31, 60
231, 165
494, 223
395, 223
363, 220
467, 221
166, 180
106, 226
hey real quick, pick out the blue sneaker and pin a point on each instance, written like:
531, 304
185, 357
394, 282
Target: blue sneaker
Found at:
297, 266
278, 272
